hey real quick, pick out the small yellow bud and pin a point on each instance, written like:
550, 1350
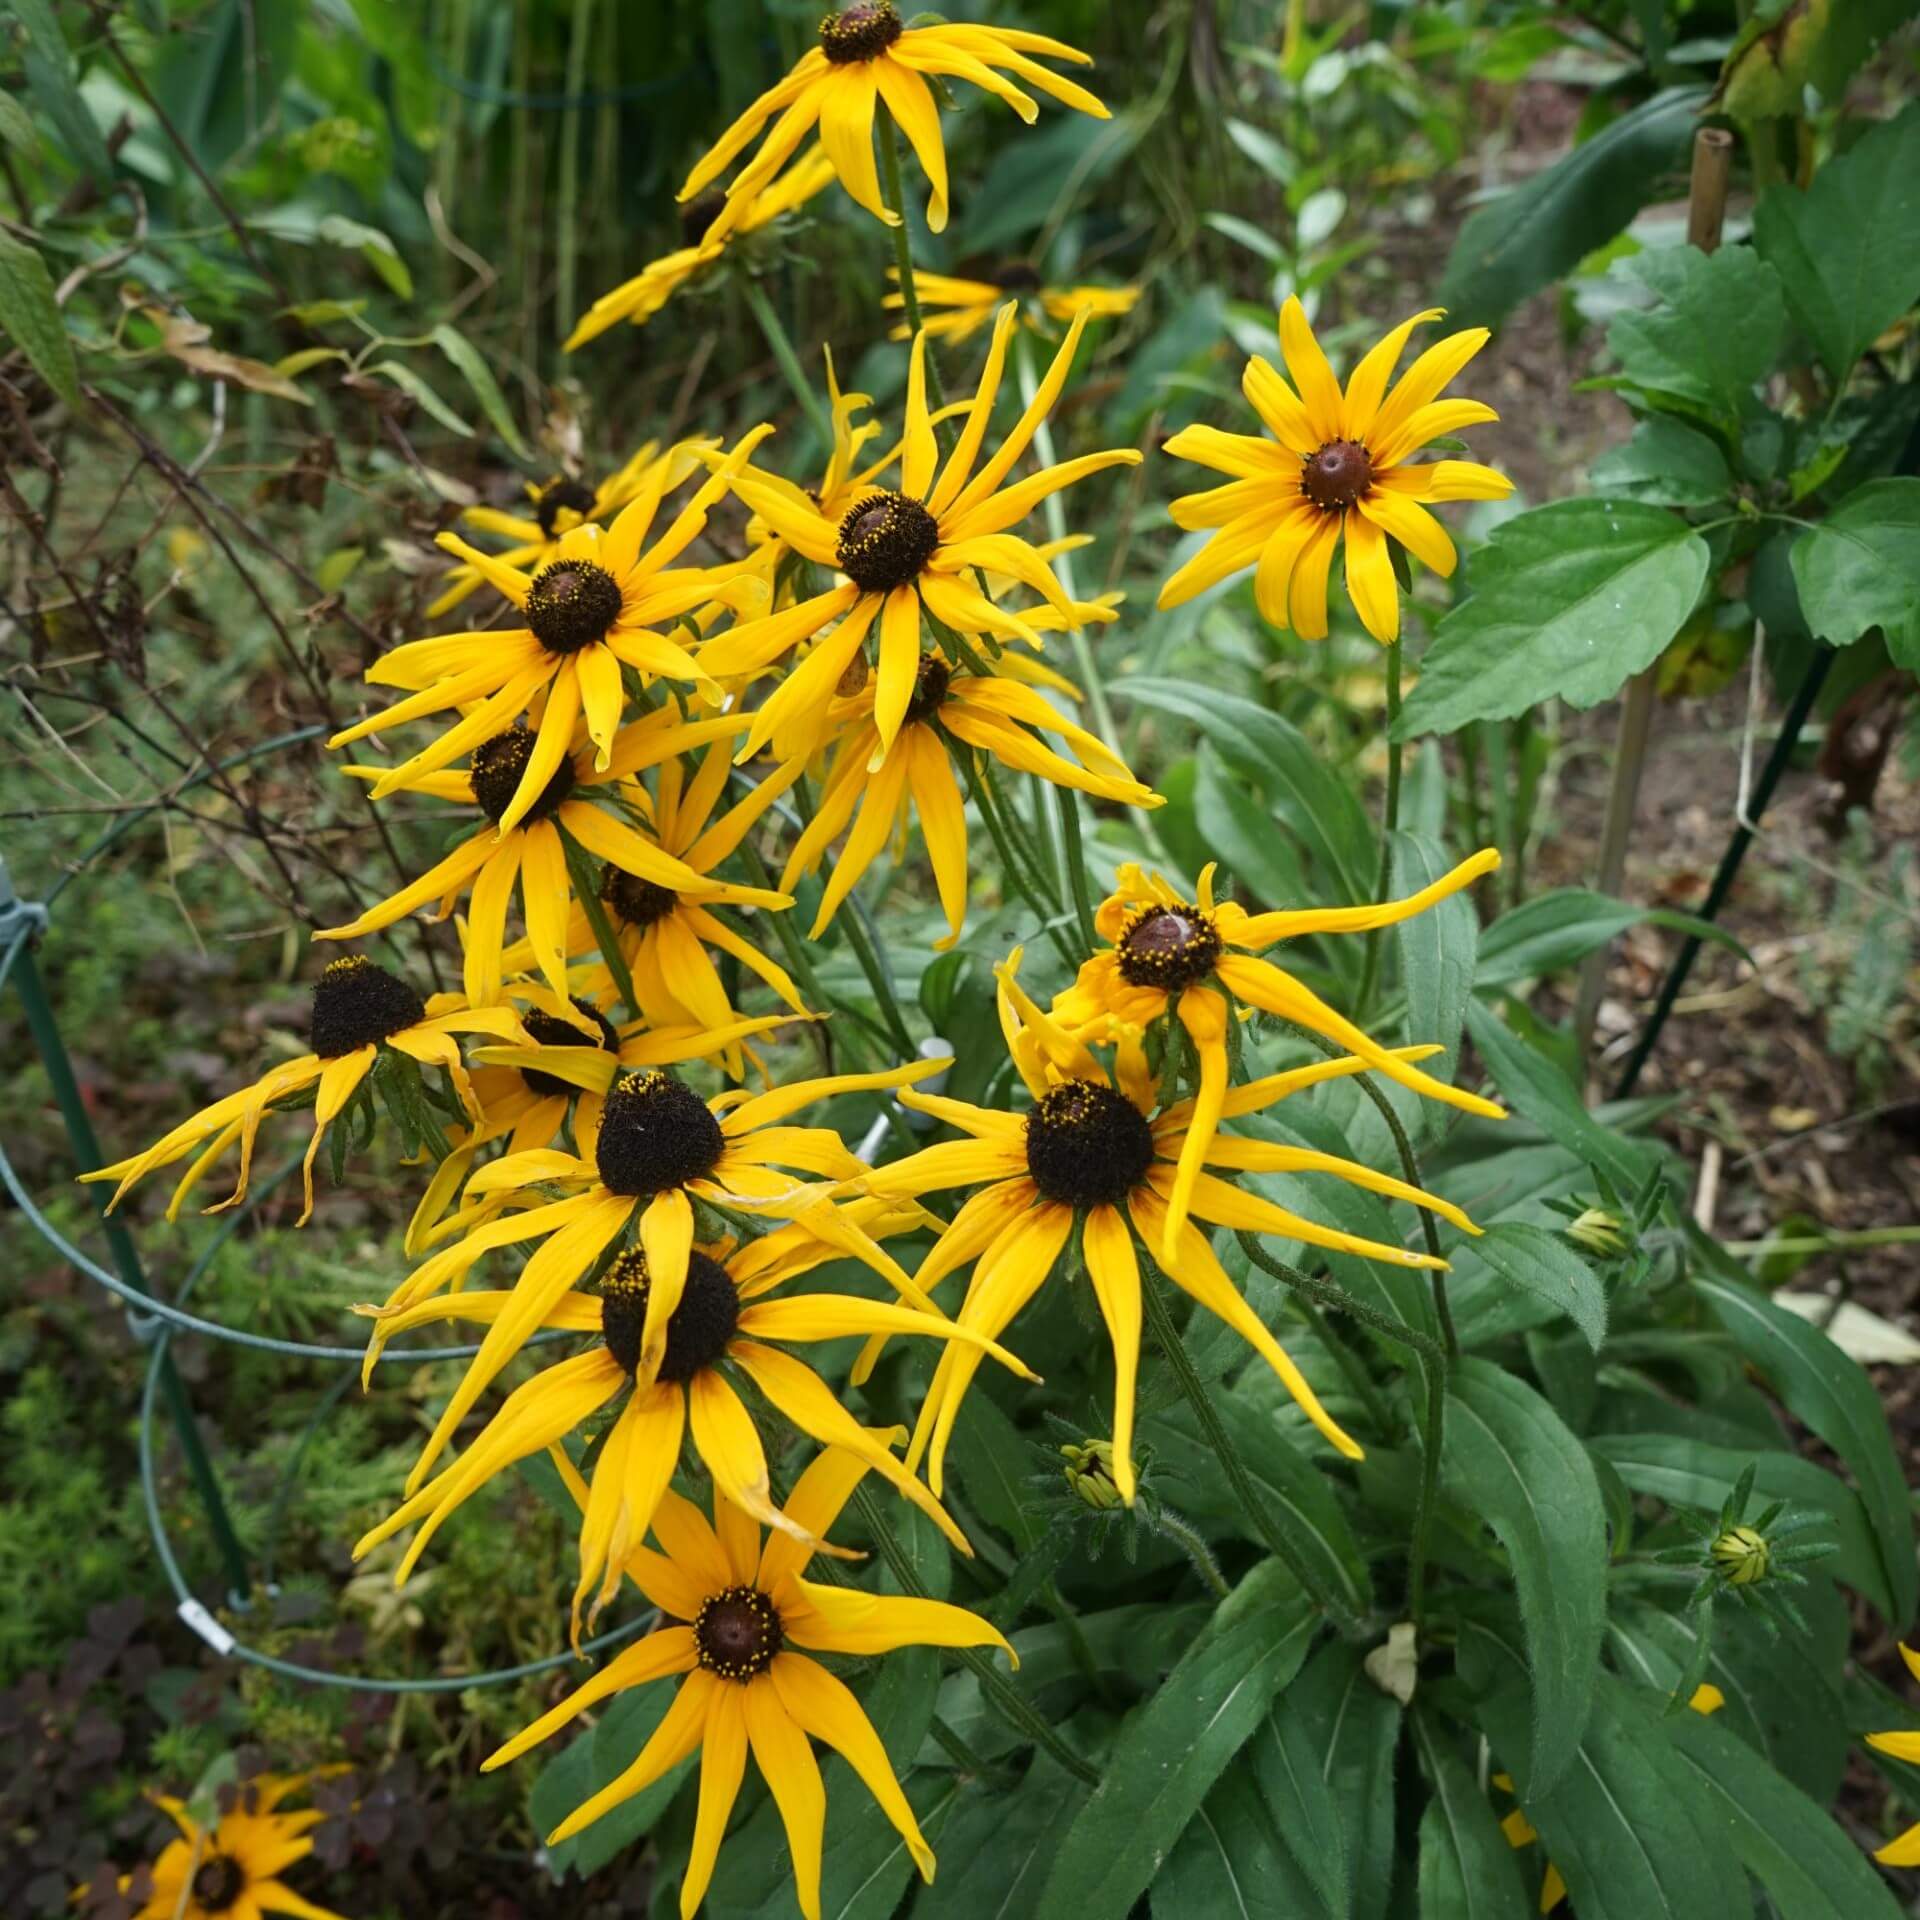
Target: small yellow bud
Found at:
1598, 1232
1741, 1554
1089, 1473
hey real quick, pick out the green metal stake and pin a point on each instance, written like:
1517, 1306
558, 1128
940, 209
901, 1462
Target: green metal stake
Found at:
87, 1156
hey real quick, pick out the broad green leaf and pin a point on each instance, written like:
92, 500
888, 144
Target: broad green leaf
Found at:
1438, 951
1255, 239
991, 1461
1543, 1264
997, 1846
16, 125
221, 82
1717, 331
1811, 1869
48, 67
373, 246
1852, 30
594, 1758
1665, 464
1568, 602
1316, 805
1172, 1750
1860, 569
1848, 249
1266, 153
1467, 1870
30, 318
1560, 928
1509, 1458
1537, 233
1305, 1814
1238, 831
1231, 1864
1837, 1399
1354, 1728
479, 376
413, 385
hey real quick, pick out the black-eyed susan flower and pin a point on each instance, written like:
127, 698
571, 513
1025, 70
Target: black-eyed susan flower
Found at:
359, 1010
639, 299
231, 1870
493, 863
1199, 961
653, 1149
1903, 1850
997, 713
746, 1620
1336, 467
911, 555
724, 1324
1097, 1152
867, 58
955, 308
555, 509
664, 932
597, 607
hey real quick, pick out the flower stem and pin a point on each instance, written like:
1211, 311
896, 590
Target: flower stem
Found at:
903, 251
1069, 805
1011, 1704
878, 977
1370, 969
788, 361
1009, 861
580, 868
1160, 1319
1164, 1520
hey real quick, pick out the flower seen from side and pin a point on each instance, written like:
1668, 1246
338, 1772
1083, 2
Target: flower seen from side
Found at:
955, 307
1904, 1849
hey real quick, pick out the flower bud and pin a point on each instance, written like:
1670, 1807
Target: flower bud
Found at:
1741, 1554
1598, 1232
1089, 1474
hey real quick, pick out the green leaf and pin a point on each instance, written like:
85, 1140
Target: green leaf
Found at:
411, 383
1354, 1729
28, 314
1568, 602
220, 83
1544, 1264
1438, 951
1719, 328
996, 1848
479, 376
1538, 1092
1860, 569
1231, 1864
16, 125
1510, 1459
1852, 29
1467, 1870
1836, 1398
1848, 249
1172, 1750
1560, 928
48, 67
1666, 464
596, 1757
373, 246
1538, 233
1305, 1814
1266, 153
990, 1461
1238, 831
1810, 1868
1255, 239
1321, 810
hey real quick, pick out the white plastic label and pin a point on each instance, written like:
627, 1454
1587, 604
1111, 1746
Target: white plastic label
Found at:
206, 1626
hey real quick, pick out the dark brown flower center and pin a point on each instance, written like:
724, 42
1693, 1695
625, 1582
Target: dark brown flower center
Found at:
737, 1633
1016, 276
1337, 476
858, 33
559, 494
356, 1004
885, 542
218, 1882
655, 1134
640, 903
930, 683
1168, 947
699, 214
549, 1030
1087, 1145
573, 603
698, 1328
496, 767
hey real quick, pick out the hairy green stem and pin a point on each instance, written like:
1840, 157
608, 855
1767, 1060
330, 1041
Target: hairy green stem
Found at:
579, 865
1164, 1520
874, 966
784, 356
1069, 805
1370, 968
1015, 872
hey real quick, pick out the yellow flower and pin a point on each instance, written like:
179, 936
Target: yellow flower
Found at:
591, 611
1904, 1849
1336, 464
1197, 960
1095, 1150
723, 1321
652, 1149
866, 58
231, 1870
991, 712
910, 553
956, 309
491, 861
640, 298
358, 1008
747, 1612
561, 505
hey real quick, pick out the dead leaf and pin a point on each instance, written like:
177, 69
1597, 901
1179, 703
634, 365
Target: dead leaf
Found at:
185, 339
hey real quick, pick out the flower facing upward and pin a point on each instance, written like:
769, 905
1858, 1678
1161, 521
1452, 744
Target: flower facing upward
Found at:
1096, 1149
358, 1009
639, 299
910, 554
231, 1870
590, 612
557, 508
1904, 1849
867, 58
746, 1621
1198, 960
1336, 466
724, 1322
957, 308
652, 1150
